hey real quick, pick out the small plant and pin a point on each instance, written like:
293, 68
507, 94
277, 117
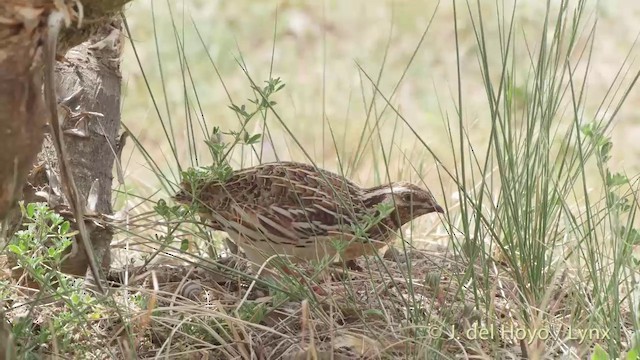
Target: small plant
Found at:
220, 150
40, 246
39, 249
173, 216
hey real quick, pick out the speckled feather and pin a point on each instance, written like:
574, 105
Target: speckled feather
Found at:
277, 207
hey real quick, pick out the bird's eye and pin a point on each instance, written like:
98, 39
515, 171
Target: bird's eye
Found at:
407, 197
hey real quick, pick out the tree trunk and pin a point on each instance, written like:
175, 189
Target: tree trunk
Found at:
93, 68
23, 118
91, 71
88, 81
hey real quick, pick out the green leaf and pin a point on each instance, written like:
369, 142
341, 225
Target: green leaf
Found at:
161, 208
31, 210
632, 235
616, 179
15, 249
253, 139
599, 353
184, 245
374, 313
605, 150
64, 228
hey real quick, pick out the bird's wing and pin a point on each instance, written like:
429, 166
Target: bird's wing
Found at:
290, 200
286, 224
278, 184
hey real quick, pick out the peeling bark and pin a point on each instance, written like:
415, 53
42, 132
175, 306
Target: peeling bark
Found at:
91, 71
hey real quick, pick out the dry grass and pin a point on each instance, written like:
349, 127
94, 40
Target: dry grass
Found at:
196, 312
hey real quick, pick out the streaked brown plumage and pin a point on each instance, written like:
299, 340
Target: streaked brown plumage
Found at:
294, 209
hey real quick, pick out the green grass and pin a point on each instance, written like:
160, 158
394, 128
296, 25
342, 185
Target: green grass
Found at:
516, 118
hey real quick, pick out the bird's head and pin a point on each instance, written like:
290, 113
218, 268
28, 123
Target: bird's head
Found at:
409, 200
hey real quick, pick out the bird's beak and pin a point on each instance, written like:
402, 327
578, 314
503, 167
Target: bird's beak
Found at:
438, 208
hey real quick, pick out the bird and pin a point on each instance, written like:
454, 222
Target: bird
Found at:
299, 211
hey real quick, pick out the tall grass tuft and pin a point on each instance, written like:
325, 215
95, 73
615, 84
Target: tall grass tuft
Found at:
539, 227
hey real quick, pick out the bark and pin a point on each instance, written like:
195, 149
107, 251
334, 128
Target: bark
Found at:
23, 118
22, 114
92, 72
90, 77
